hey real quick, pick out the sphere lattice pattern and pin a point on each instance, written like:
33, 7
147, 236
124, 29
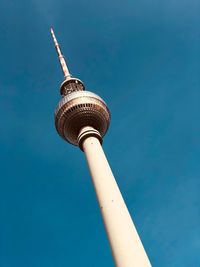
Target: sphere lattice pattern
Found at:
80, 109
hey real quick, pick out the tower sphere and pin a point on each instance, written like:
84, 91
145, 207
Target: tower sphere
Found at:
77, 110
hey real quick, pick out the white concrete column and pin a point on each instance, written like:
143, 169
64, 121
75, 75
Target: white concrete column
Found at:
125, 243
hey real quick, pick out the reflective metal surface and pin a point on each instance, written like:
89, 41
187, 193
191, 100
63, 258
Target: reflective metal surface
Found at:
79, 109
71, 85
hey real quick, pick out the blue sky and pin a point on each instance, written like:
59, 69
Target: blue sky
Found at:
143, 58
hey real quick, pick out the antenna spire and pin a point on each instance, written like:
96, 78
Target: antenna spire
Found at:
61, 57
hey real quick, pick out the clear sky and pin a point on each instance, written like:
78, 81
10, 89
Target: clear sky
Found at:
143, 58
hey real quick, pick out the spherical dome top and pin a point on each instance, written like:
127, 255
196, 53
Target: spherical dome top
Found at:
79, 109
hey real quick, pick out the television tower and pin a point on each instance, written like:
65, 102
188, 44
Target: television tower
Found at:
82, 118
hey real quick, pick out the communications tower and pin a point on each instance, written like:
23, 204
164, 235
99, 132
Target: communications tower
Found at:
82, 118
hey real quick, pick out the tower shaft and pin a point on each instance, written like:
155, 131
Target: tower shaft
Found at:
125, 243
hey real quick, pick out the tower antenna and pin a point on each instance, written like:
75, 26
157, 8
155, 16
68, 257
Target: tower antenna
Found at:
61, 57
